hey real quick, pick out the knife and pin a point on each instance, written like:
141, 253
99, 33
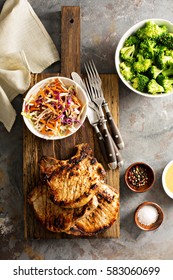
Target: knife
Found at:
94, 121
111, 148
92, 116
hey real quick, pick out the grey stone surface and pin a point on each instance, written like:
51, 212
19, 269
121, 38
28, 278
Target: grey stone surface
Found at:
146, 126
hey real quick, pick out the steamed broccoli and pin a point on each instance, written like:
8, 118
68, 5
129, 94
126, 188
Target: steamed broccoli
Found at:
132, 40
168, 51
126, 70
147, 57
153, 72
140, 82
154, 87
168, 71
167, 40
151, 30
165, 82
127, 53
147, 48
163, 60
142, 64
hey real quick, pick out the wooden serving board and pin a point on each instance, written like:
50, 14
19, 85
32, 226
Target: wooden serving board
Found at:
34, 148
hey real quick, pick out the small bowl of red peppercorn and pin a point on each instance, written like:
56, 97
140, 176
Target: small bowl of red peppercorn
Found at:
139, 177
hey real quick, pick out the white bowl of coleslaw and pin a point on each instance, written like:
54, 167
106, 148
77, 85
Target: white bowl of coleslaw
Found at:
55, 108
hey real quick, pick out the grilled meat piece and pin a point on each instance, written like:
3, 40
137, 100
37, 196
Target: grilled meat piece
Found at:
102, 217
76, 180
47, 166
53, 217
73, 197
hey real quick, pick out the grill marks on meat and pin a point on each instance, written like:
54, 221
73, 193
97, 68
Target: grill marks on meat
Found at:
74, 181
72, 196
53, 217
94, 217
47, 166
101, 217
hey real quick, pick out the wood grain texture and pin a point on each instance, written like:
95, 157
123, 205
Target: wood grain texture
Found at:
70, 40
34, 148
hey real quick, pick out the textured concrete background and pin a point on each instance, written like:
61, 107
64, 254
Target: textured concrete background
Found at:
146, 126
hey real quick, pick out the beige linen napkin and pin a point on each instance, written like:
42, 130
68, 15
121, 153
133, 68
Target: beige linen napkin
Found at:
25, 46
14, 79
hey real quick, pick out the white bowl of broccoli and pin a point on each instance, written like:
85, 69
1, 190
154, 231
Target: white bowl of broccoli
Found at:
144, 58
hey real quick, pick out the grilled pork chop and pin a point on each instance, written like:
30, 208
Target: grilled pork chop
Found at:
50, 164
96, 216
102, 217
47, 166
76, 180
54, 217
76, 183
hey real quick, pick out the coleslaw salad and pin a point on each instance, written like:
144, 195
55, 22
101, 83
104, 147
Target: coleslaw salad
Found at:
55, 109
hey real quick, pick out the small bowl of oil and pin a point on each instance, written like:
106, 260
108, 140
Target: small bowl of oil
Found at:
167, 179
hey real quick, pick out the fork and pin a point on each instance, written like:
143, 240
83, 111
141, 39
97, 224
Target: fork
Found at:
94, 96
95, 80
93, 118
94, 91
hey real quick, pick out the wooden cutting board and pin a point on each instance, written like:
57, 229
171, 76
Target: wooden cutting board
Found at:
34, 148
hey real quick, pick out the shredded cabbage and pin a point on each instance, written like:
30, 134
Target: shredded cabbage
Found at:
54, 110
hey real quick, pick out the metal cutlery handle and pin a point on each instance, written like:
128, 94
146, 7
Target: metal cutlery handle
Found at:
114, 128
112, 162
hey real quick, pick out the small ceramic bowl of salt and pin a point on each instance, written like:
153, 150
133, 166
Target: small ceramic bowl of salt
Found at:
148, 216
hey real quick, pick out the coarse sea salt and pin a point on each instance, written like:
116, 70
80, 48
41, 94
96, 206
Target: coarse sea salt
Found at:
147, 215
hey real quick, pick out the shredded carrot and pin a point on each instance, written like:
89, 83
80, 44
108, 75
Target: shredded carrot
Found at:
34, 109
55, 109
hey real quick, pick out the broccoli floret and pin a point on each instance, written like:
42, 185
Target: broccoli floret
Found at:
140, 82
126, 70
147, 59
165, 82
147, 48
154, 87
168, 71
127, 53
159, 49
163, 59
168, 52
153, 72
167, 40
151, 30
142, 64
132, 40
